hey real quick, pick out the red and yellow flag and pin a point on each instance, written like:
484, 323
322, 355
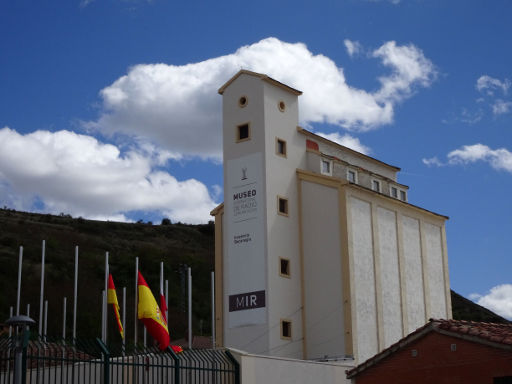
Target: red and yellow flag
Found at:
112, 299
150, 314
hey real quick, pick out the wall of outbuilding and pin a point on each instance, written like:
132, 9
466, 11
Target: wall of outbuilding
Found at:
437, 362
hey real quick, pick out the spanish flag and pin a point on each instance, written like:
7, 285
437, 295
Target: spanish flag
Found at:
151, 316
112, 299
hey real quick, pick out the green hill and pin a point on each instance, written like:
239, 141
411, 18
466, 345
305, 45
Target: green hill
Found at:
176, 245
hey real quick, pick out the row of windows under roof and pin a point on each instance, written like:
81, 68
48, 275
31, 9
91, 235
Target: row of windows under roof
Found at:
360, 177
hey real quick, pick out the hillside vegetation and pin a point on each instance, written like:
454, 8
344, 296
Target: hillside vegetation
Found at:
177, 245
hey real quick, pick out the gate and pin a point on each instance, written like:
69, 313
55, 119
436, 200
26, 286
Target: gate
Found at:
91, 361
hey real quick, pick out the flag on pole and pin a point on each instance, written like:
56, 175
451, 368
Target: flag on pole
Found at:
150, 314
112, 299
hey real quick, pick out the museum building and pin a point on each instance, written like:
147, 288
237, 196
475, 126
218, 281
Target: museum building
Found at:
318, 254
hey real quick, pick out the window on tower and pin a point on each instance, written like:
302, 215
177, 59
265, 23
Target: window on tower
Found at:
243, 132
284, 267
282, 206
286, 329
281, 147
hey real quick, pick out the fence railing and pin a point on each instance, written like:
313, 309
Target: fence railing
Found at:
91, 361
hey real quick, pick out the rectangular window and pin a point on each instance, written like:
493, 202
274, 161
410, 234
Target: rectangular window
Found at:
284, 267
286, 329
280, 147
376, 185
403, 195
243, 132
394, 192
326, 167
282, 206
352, 176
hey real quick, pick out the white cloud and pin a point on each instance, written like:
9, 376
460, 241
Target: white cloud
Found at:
471, 117
500, 159
433, 161
498, 300
353, 47
79, 175
178, 108
410, 68
347, 141
501, 107
490, 85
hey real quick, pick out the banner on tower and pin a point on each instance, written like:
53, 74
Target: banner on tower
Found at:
245, 239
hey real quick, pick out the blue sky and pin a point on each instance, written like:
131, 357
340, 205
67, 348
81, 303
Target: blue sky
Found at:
108, 108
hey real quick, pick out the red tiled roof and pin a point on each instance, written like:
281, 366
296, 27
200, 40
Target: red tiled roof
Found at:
500, 334
497, 333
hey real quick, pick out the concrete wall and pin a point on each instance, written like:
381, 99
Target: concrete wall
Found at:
264, 369
390, 270
323, 278
399, 269
365, 314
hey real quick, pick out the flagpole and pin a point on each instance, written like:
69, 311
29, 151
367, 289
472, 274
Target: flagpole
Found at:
45, 319
10, 315
105, 303
64, 319
189, 308
162, 278
75, 294
19, 282
213, 309
103, 315
167, 301
28, 313
41, 303
124, 319
136, 297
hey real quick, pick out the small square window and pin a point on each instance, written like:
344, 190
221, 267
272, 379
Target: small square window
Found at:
281, 147
284, 267
326, 167
243, 132
394, 192
286, 329
403, 196
376, 185
282, 206
352, 176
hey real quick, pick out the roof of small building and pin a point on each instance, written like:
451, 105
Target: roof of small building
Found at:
493, 334
263, 77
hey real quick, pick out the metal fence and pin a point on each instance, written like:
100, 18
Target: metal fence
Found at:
91, 361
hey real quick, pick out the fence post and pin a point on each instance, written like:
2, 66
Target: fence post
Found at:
236, 364
106, 361
176, 365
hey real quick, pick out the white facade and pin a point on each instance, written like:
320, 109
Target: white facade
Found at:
308, 264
